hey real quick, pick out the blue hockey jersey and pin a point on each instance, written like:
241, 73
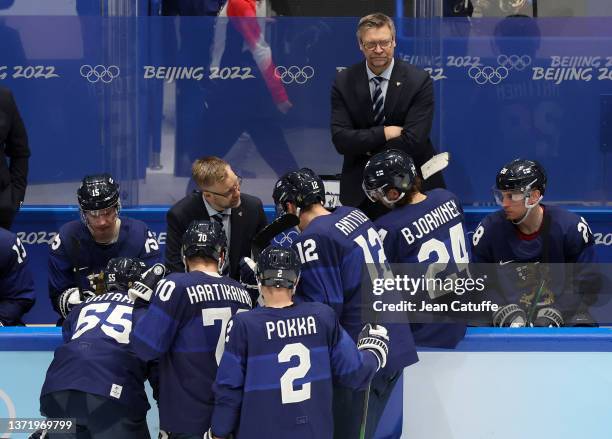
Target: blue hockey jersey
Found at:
74, 248
275, 378
97, 356
428, 232
184, 327
16, 283
567, 239
334, 249
497, 240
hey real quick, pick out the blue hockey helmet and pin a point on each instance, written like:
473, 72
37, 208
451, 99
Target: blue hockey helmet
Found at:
386, 170
302, 187
521, 175
121, 273
278, 267
204, 239
98, 192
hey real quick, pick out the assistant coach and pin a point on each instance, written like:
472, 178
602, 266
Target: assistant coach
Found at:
379, 104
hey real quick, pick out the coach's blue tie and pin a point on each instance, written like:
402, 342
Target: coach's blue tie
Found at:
219, 219
378, 101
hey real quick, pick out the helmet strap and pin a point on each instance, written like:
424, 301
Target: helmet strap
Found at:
391, 203
529, 208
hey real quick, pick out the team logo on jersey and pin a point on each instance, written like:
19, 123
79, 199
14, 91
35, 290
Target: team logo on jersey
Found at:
294, 74
99, 73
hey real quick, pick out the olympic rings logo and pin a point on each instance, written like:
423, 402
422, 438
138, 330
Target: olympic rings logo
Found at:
285, 238
488, 74
99, 73
294, 74
514, 62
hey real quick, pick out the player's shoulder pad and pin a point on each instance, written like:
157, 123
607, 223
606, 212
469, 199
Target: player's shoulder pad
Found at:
68, 233
494, 220
72, 228
134, 226
489, 228
574, 227
562, 217
7, 240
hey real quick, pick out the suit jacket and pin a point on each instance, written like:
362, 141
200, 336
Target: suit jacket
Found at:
14, 155
245, 221
409, 103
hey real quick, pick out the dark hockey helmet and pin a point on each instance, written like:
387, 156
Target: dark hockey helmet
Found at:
98, 192
521, 176
121, 273
309, 187
386, 170
278, 267
205, 239
303, 187
283, 193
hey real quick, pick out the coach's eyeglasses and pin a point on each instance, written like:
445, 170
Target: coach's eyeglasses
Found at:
371, 45
231, 191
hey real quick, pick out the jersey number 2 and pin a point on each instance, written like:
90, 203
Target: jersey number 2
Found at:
289, 393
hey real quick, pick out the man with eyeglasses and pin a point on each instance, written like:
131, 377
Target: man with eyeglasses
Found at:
219, 199
82, 248
523, 233
378, 104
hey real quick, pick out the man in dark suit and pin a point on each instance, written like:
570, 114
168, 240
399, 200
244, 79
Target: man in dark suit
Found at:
241, 215
379, 104
14, 147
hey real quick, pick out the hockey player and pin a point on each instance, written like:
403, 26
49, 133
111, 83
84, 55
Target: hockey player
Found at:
81, 249
16, 283
527, 231
184, 328
95, 377
426, 228
333, 248
275, 376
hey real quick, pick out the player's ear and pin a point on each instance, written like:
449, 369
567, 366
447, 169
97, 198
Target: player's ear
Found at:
291, 207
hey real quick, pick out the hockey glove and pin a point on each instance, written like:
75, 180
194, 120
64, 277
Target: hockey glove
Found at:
96, 282
375, 339
248, 267
510, 316
548, 317
143, 289
71, 298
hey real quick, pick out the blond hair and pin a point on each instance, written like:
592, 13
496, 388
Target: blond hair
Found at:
206, 171
374, 21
